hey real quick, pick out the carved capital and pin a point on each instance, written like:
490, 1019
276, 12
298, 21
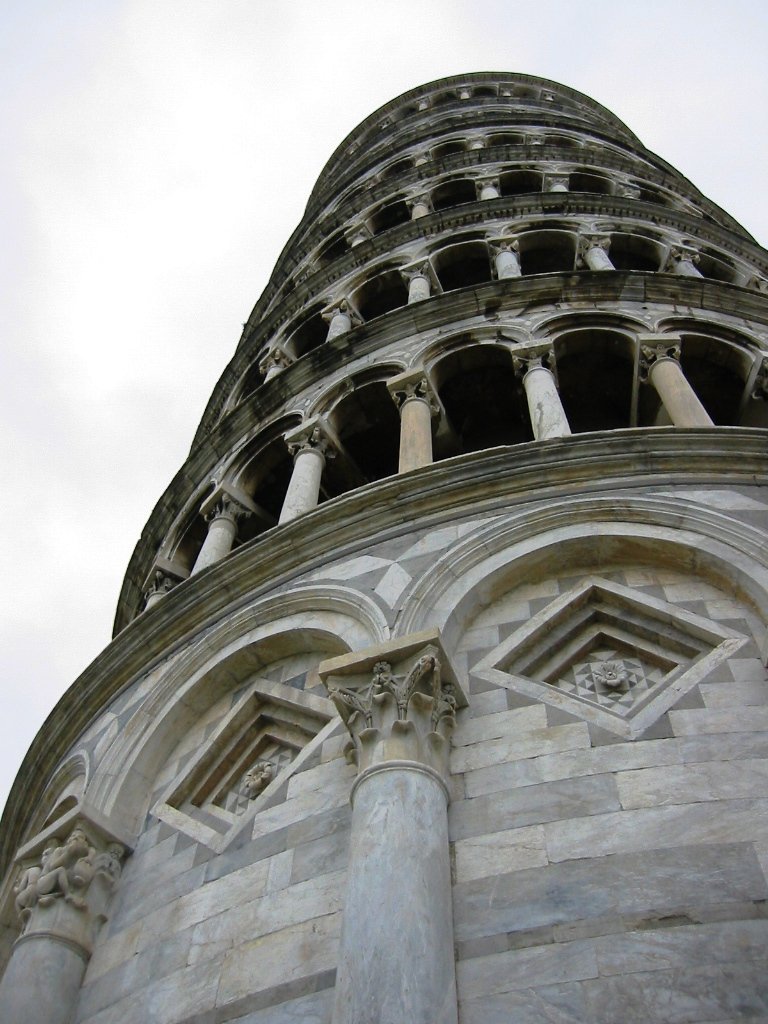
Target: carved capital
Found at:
357, 234
162, 583
656, 347
556, 182
66, 891
274, 359
587, 242
310, 437
228, 507
422, 201
413, 384
399, 707
522, 362
681, 254
504, 245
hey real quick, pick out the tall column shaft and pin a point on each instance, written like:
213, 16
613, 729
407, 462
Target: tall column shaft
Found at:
396, 962
304, 488
548, 417
679, 398
42, 981
415, 434
217, 544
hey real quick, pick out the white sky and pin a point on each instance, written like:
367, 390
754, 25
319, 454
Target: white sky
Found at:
157, 155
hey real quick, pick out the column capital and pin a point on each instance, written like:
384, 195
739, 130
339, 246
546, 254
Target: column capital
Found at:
161, 584
655, 347
413, 384
593, 240
227, 507
628, 191
64, 892
498, 245
681, 254
357, 234
423, 268
555, 181
398, 702
275, 358
424, 201
487, 187
540, 357
340, 308
311, 436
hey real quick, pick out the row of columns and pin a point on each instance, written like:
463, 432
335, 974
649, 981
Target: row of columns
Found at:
312, 443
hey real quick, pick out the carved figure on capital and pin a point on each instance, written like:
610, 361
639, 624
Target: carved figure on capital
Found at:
525, 361
313, 439
66, 872
652, 353
228, 508
412, 385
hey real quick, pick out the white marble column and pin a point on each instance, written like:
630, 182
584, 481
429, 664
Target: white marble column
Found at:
339, 321
222, 530
555, 183
62, 900
161, 585
396, 957
661, 366
273, 362
419, 285
683, 262
547, 414
309, 445
414, 397
593, 252
419, 207
507, 260
488, 188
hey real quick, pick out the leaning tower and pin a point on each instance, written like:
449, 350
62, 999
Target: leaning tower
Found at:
437, 688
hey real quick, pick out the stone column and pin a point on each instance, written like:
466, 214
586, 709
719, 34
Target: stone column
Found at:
309, 444
487, 188
62, 900
547, 414
339, 320
161, 585
222, 530
660, 365
593, 252
357, 234
555, 183
273, 362
414, 397
683, 262
419, 283
507, 260
420, 206
396, 958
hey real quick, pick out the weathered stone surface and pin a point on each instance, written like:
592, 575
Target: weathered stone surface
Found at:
499, 853
652, 787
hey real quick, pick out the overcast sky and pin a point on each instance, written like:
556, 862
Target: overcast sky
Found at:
156, 156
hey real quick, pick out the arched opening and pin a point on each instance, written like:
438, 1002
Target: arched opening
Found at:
520, 183
454, 193
332, 249
265, 478
192, 537
595, 372
716, 371
368, 425
462, 265
447, 148
506, 139
547, 252
482, 399
713, 264
390, 216
652, 195
633, 252
310, 332
583, 181
397, 168
381, 294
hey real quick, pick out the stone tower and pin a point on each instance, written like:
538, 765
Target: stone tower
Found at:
437, 689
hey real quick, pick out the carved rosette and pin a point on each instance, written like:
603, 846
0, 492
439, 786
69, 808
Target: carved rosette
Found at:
66, 893
399, 716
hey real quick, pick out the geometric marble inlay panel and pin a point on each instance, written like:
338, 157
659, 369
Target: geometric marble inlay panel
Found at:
609, 655
241, 766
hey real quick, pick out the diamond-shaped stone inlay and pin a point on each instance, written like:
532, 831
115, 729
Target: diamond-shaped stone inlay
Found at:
242, 763
610, 655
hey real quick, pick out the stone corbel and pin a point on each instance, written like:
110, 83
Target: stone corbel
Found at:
398, 702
